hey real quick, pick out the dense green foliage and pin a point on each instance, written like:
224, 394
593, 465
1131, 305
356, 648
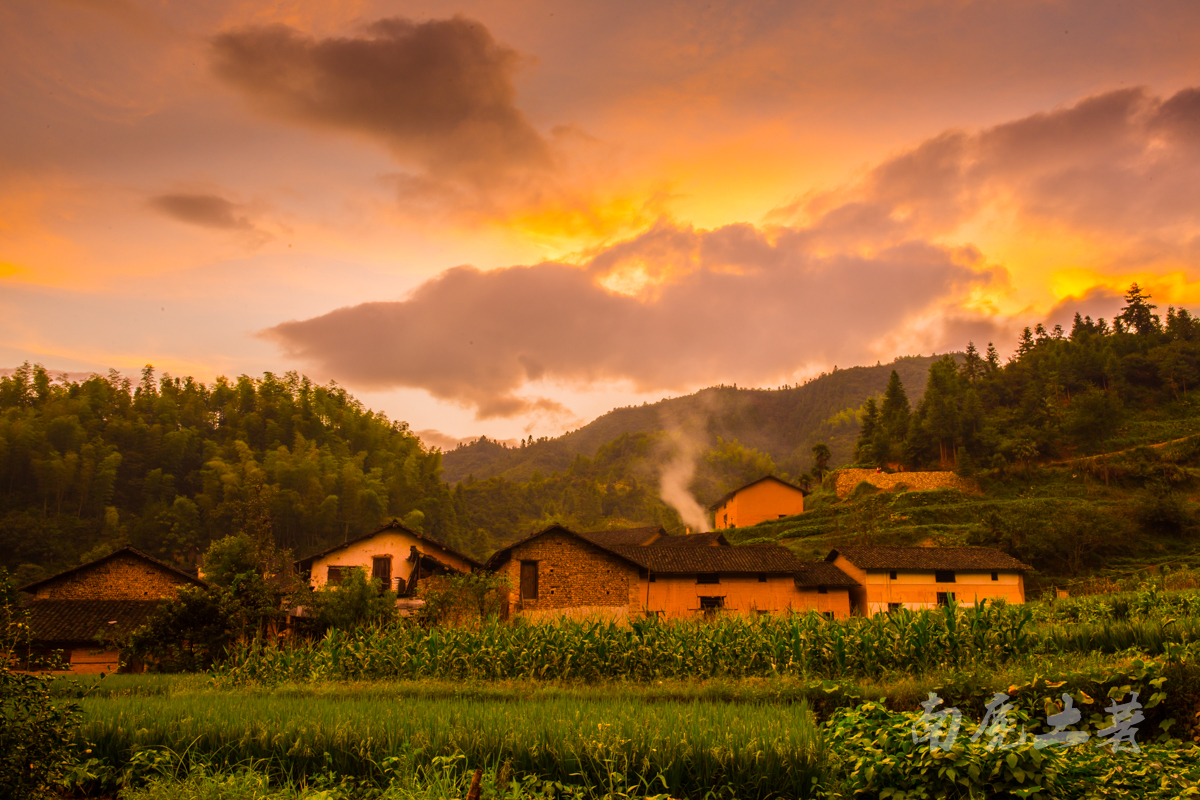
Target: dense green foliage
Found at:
168, 466
619, 485
1060, 394
36, 727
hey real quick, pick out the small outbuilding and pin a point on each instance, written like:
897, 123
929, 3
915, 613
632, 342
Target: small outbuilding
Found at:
764, 499
82, 614
889, 578
397, 556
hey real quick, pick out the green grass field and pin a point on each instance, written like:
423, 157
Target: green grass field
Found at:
329, 735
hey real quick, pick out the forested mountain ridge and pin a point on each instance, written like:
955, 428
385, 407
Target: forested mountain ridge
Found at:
783, 423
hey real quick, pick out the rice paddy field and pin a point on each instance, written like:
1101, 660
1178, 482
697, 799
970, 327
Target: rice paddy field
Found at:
787, 708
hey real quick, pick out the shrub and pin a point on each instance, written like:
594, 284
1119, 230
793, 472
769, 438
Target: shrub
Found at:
36, 729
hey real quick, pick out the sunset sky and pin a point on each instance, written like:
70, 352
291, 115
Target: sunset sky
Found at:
508, 218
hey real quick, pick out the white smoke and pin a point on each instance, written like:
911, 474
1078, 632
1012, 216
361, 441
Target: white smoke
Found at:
676, 476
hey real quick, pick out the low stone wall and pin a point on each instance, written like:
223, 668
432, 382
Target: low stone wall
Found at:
847, 479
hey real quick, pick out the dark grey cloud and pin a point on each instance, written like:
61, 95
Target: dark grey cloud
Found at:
438, 93
205, 210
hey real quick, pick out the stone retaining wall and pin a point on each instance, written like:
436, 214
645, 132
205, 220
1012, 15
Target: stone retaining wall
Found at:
847, 479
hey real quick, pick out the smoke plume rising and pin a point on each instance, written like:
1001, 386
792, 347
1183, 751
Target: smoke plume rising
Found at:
676, 476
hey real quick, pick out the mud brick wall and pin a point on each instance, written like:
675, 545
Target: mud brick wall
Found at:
571, 573
847, 479
123, 577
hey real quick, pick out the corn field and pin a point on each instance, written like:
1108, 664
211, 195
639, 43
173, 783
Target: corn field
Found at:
642, 650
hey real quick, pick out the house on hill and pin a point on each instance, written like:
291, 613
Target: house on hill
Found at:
83, 612
758, 501
888, 578
560, 571
397, 556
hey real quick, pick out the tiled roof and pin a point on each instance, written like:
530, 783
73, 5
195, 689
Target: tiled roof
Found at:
928, 558
394, 525
183, 576
689, 560
692, 540
620, 536
822, 573
721, 502
76, 621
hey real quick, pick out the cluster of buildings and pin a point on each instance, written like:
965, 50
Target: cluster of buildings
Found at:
612, 573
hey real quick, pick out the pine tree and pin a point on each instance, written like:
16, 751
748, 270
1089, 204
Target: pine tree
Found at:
1026, 343
867, 427
973, 366
992, 358
893, 416
1138, 314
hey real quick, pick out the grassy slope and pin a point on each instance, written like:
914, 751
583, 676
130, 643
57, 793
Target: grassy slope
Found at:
778, 422
1041, 497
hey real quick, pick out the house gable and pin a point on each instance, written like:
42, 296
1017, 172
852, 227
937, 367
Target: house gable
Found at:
394, 544
764, 499
126, 574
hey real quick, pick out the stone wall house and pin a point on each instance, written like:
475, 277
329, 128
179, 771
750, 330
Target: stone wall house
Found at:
83, 613
398, 556
761, 500
889, 578
618, 573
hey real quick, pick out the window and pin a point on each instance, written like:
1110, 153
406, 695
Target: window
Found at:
783, 516
708, 577
334, 576
711, 604
529, 580
895, 606
944, 576
652, 578
822, 590
726, 520
762, 577
827, 614
944, 598
892, 575
995, 576
381, 570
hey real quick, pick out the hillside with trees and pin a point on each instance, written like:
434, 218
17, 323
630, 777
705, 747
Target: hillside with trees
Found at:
783, 423
1086, 444
169, 465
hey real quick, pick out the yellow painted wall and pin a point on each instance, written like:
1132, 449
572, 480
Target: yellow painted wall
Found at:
394, 543
762, 501
675, 596
917, 590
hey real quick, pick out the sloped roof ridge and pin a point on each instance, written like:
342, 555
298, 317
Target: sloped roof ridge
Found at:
126, 550
395, 524
728, 495
963, 557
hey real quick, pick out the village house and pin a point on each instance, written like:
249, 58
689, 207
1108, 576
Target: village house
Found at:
889, 578
83, 614
763, 499
643, 571
395, 555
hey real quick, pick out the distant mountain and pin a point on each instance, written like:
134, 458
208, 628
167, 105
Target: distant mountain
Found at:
784, 423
